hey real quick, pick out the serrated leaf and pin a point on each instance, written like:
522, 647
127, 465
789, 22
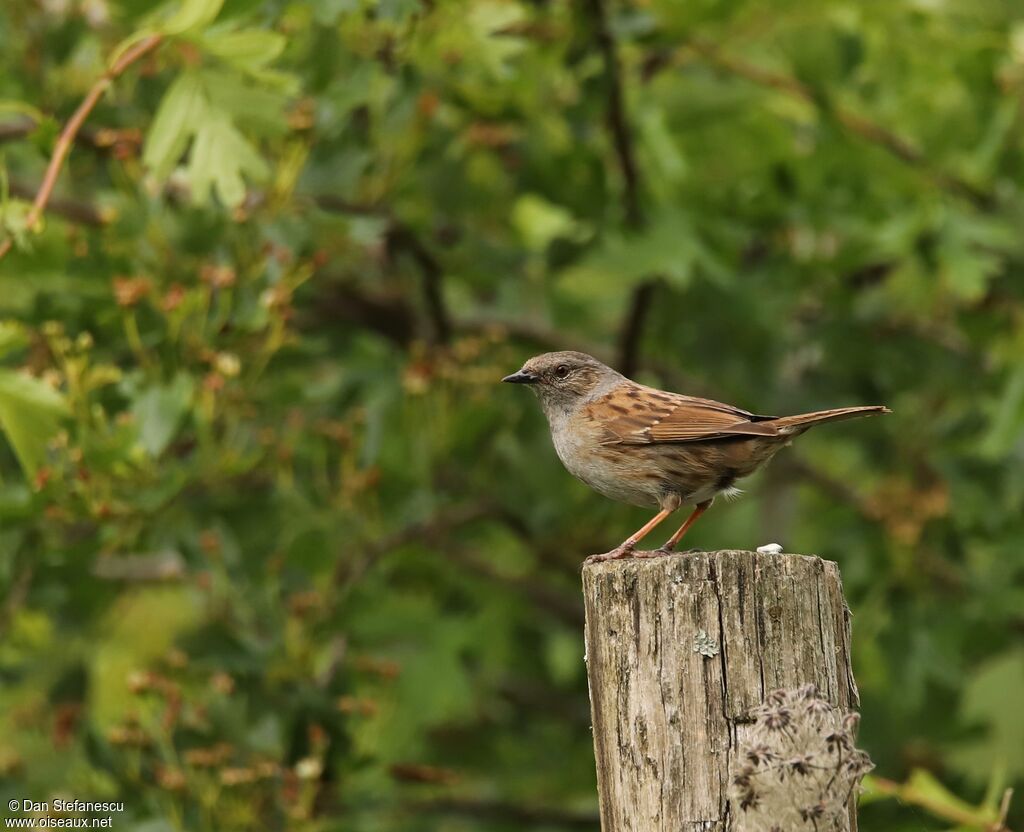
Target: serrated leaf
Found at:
490, 23
181, 111
220, 158
30, 413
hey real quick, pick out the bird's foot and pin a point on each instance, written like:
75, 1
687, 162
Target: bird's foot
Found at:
661, 551
619, 552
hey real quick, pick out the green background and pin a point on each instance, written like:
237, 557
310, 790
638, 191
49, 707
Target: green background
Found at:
278, 551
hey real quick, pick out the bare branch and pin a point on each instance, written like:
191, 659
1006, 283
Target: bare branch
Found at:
11, 131
633, 326
631, 332
168, 565
615, 115
400, 236
385, 312
83, 213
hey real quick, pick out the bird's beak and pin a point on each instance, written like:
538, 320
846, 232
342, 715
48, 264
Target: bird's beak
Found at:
522, 377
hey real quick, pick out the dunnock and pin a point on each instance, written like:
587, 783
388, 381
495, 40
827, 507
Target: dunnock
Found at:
646, 447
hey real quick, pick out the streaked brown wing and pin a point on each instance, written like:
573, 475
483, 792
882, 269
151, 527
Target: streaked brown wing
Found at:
642, 416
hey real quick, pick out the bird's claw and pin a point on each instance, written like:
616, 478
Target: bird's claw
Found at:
662, 551
617, 553
628, 551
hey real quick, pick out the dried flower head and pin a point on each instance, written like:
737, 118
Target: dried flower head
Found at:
799, 767
129, 291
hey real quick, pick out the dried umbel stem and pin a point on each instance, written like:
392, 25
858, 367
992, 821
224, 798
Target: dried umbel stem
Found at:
799, 768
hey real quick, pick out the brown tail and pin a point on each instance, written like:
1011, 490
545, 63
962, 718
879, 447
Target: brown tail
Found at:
806, 420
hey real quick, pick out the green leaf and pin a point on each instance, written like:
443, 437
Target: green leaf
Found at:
182, 109
246, 49
220, 158
12, 337
192, 14
30, 413
991, 699
159, 411
667, 162
937, 797
490, 22
10, 105
327, 12
128, 640
250, 105
670, 249
966, 270
539, 222
14, 216
1007, 426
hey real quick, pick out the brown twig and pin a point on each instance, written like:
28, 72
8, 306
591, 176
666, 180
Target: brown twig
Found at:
871, 131
98, 138
83, 213
13, 130
67, 136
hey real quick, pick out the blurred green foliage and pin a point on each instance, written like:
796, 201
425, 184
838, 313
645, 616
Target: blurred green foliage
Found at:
276, 551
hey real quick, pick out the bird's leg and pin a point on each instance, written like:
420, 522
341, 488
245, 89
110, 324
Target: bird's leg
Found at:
625, 549
670, 544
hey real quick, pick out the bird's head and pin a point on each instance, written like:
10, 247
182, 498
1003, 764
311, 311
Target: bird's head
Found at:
562, 380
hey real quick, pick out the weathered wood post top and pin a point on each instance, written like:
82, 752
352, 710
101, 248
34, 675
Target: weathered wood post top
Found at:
680, 649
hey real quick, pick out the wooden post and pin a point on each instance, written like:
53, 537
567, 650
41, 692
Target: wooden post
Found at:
667, 718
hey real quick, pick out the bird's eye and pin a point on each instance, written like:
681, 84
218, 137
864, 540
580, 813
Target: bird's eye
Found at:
561, 371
